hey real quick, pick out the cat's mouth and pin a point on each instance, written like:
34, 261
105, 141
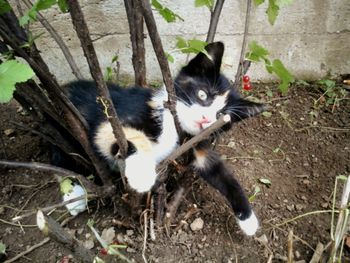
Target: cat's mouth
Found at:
203, 123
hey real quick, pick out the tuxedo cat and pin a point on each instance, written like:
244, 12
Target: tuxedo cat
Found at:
202, 95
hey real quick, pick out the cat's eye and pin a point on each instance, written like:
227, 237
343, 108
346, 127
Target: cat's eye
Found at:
202, 95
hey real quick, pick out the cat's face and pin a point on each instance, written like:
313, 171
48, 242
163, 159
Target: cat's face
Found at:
203, 93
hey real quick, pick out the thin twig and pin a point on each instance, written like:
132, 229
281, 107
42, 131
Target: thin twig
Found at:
173, 206
243, 66
318, 253
51, 207
214, 19
14, 224
30, 249
162, 60
290, 254
91, 57
88, 185
192, 142
135, 20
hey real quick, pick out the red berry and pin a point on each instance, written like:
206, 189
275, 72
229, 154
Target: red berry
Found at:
104, 251
246, 78
247, 86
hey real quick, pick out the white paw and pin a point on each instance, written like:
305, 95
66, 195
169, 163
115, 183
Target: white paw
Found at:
250, 225
77, 206
140, 170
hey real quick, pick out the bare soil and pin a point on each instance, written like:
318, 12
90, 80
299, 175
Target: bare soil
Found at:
300, 155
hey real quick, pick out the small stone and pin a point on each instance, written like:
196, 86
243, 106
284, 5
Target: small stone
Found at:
130, 250
89, 244
231, 144
263, 240
129, 232
299, 207
197, 224
306, 182
9, 132
303, 197
108, 235
324, 205
297, 254
80, 231
290, 208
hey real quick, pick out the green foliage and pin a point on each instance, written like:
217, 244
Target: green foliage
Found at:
190, 46
265, 181
257, 191
109, 76
258, 53
332, 93
273, 8
66, 186
165, 12
207, 3
2, 248
40, 5
12, 72
4, 7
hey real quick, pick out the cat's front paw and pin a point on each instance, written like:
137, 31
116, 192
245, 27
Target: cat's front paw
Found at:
140, 170
249, 225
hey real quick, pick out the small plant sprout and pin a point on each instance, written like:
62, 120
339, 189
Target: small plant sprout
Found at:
338, 233
257, 191
107, 249
265, 182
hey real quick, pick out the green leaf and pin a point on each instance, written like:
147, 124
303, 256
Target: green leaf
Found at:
2, 248
4, 7
256, 52
169, 57
257, 190
66, 186
207, 3
44, 4
258, 2
342, 177
12, 72
62, 4
267, 114
280, 70
265, 181
272, 11
115, 58
282, 3
191, 46
165, 12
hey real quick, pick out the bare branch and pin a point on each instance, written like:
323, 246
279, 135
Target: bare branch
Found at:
243, 65
90, 54
65, 50
214, 19
51, 228
191, 143
88, 185
135, 20
162, 60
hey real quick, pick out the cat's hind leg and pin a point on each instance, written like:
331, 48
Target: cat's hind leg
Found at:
209, 166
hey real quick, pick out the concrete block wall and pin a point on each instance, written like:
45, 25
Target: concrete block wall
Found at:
311, 37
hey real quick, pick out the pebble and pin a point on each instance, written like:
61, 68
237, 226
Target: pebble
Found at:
130, 232
231, 144
89, 244
324, 205
197, 224
306, 182
297, 254
108, 235
299, 207
130, 250
290, 208
9, 132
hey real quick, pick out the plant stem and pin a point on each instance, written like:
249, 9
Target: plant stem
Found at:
214, 19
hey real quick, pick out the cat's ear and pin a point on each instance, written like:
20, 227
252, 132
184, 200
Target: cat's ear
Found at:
243, 109
206, 64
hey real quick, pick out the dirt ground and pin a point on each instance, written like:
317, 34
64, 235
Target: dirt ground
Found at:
299, 153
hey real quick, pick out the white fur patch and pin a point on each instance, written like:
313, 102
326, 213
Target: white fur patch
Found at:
191, 115
168, 139
250, 225
140, 170
77, 206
